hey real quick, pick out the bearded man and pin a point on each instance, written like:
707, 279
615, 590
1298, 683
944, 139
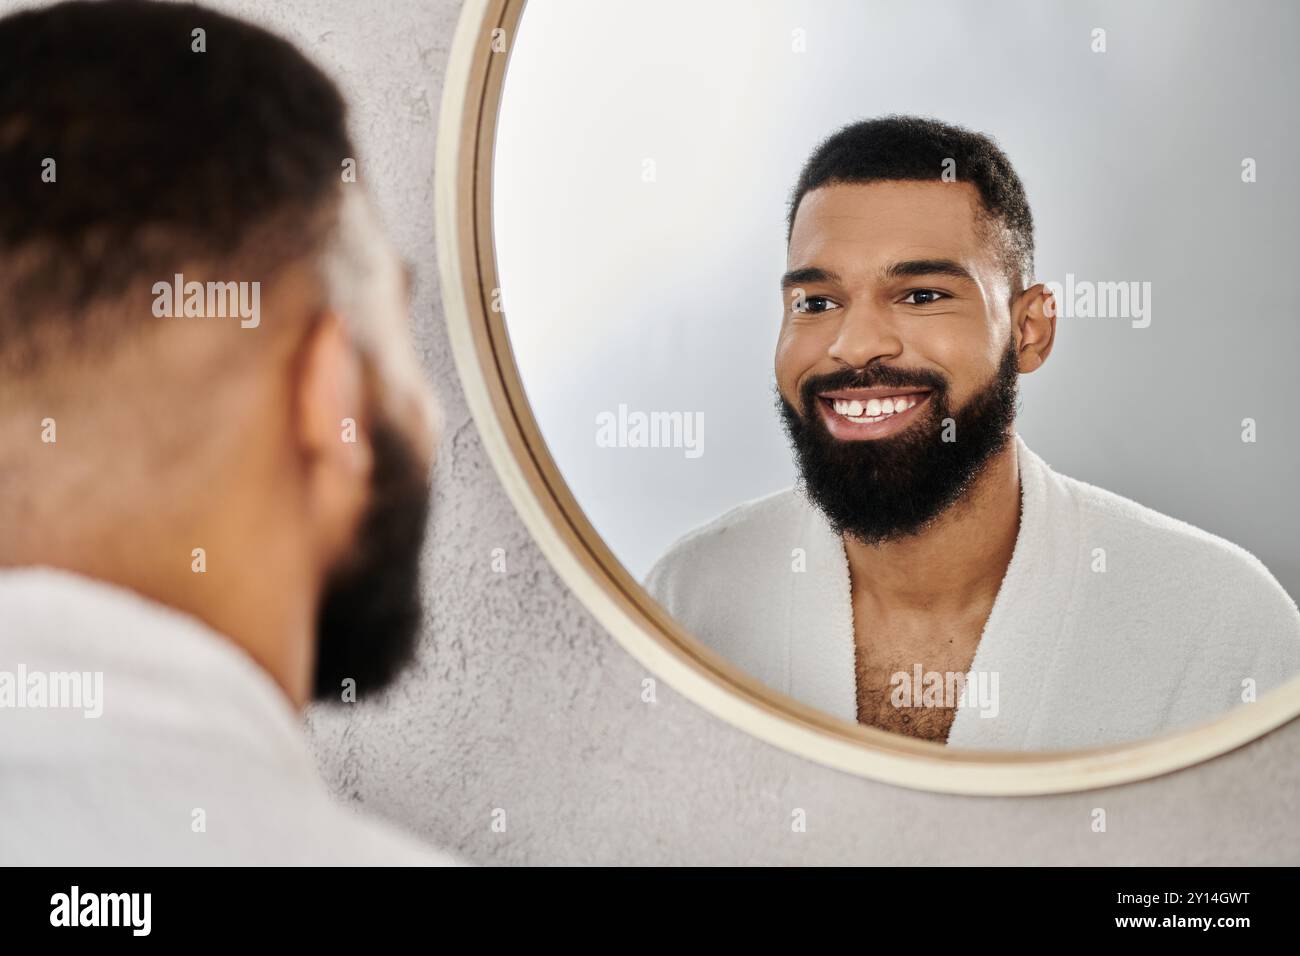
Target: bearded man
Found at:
926, 541
213, 517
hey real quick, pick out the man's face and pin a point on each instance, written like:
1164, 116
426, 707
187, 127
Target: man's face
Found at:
896, 365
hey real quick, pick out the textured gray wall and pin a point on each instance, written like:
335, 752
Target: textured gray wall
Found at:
522, 702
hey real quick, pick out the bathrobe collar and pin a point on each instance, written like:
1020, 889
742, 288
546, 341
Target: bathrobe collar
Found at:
1015, 645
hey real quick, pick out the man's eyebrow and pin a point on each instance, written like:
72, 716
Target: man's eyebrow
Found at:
914, 268
808, 274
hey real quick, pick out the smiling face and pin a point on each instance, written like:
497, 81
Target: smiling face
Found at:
900, 274
899, 350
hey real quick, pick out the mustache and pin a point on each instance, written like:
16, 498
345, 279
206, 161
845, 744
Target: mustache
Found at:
886, 376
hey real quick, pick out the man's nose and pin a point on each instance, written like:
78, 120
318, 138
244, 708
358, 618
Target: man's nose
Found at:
865, 335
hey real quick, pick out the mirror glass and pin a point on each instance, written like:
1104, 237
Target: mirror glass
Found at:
932, 362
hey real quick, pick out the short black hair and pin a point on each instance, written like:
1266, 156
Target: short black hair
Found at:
917, 149
163, 155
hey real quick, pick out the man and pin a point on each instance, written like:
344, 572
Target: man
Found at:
936, 578
214, 444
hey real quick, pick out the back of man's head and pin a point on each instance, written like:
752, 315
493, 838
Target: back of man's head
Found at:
138, 139
203, 341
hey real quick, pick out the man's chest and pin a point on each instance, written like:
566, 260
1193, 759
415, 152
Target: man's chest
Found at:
910, 675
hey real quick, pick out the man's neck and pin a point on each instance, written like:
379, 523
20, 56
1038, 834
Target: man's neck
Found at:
247, 602
957, 562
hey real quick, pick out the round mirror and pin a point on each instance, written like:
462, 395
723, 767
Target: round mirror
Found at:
901, 382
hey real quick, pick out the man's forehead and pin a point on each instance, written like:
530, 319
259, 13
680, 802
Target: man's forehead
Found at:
870, 223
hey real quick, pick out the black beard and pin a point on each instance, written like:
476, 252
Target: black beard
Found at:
371, 610
893, 487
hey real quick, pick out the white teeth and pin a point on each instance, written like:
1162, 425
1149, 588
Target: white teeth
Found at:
874, 409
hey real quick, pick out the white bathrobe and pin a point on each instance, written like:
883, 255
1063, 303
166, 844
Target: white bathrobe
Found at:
196, 756
1169, 634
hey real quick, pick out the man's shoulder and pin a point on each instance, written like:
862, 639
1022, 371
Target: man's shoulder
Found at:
726, 580
1163, 552
252, 816
734, 536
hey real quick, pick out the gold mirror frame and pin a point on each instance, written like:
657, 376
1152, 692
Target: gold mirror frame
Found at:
496, 398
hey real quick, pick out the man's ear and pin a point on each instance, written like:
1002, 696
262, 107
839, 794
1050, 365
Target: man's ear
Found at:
330, 402
1035, 322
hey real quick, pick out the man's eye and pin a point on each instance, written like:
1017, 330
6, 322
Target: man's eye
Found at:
814, 304
924, 297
